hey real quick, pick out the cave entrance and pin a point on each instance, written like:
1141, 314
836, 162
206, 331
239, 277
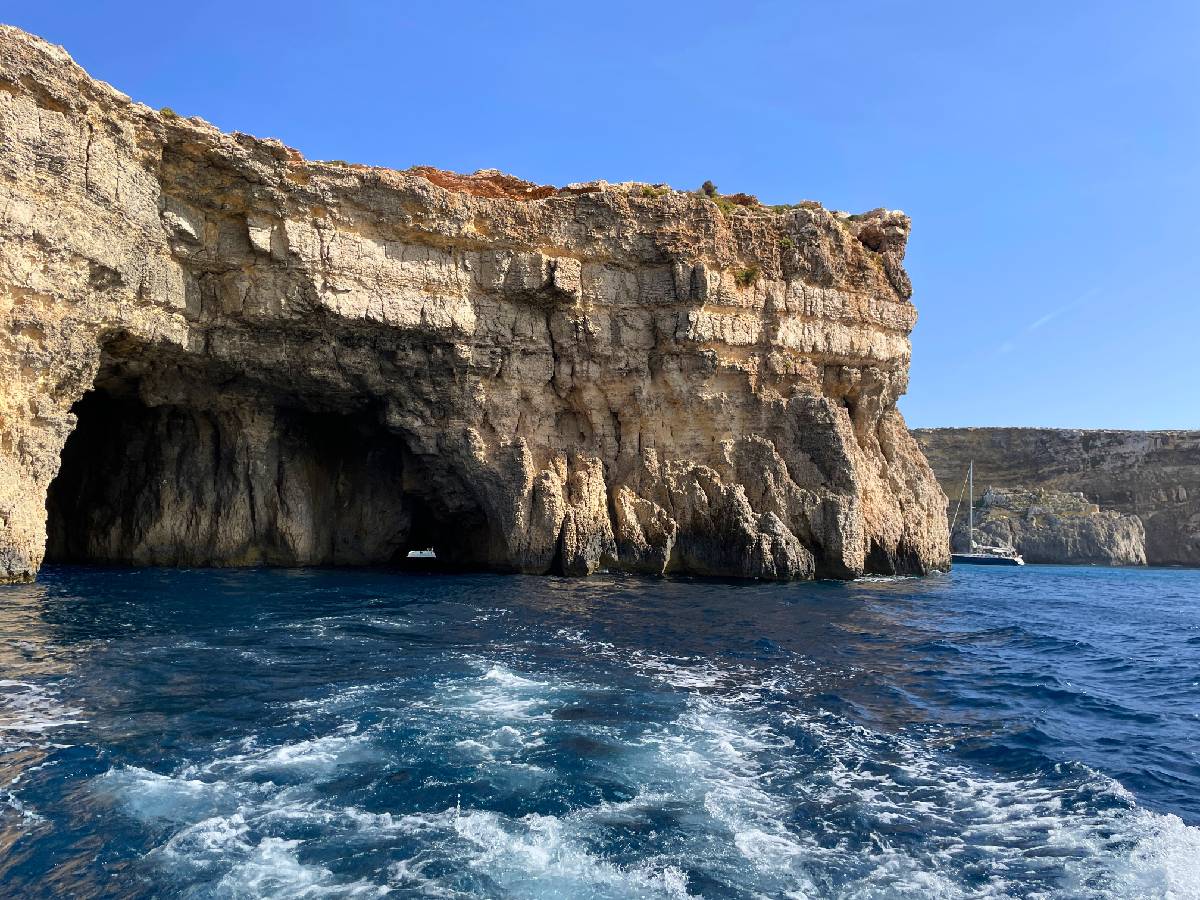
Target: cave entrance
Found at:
235, 483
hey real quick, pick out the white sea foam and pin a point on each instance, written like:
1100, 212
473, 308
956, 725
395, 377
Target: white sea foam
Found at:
150, 796
308, 758
230, 833
748, 778
29, 713
29, 710
26, 815
491, 720
498, 695
530, 856
719, 790
701, 674
345, 698
239, 864
1163, 862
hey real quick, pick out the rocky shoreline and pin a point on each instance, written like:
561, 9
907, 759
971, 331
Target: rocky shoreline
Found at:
215, 352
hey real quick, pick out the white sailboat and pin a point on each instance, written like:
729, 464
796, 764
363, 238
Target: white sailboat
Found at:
979, 554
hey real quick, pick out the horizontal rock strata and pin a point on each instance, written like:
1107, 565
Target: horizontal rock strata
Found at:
238, 356
1154, 475
1054, 527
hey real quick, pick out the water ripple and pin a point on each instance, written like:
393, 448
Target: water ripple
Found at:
269, 734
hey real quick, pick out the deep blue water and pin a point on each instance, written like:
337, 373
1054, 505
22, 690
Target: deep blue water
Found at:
991, 733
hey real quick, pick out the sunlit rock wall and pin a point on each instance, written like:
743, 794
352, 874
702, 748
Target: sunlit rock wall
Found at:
549, 380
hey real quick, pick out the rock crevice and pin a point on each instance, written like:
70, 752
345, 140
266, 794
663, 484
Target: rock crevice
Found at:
237, 356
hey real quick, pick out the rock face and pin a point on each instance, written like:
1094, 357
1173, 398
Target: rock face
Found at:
1054, 527
240, 357
1154, 475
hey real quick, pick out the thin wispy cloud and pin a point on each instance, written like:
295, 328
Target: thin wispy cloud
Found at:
1049, 317
1010, 343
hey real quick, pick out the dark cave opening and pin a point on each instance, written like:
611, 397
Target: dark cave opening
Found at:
903, 561
80, 488
238, 483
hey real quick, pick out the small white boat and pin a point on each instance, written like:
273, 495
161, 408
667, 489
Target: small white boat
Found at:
980, 554
983, 555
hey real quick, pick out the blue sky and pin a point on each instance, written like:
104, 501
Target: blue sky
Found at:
1049, 153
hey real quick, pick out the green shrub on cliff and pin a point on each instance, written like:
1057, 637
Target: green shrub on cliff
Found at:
747, 276
728, 204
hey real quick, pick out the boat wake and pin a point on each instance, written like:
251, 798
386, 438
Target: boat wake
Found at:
716, 801
505, 738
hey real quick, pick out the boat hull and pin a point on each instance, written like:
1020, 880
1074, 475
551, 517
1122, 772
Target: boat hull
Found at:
983, 559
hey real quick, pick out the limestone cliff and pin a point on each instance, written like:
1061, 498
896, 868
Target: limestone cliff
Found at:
241, 357
1054, 527
1154, 475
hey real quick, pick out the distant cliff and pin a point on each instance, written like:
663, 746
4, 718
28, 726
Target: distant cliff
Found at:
1154, 475
1048, 526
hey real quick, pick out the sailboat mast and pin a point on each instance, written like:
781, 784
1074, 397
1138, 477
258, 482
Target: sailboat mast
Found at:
971, 506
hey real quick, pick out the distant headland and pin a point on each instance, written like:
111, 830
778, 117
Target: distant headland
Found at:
1140, 490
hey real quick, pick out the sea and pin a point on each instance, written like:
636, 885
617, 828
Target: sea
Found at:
991, 732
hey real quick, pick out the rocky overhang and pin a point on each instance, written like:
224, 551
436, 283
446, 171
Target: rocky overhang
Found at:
214, 352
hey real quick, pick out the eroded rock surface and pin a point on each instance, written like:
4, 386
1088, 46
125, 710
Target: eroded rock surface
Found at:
294, 362
1154, 475
1054, 527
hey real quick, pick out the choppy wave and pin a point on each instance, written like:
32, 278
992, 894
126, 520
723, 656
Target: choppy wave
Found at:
30, 714
386, 754
30, 711
721, 803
